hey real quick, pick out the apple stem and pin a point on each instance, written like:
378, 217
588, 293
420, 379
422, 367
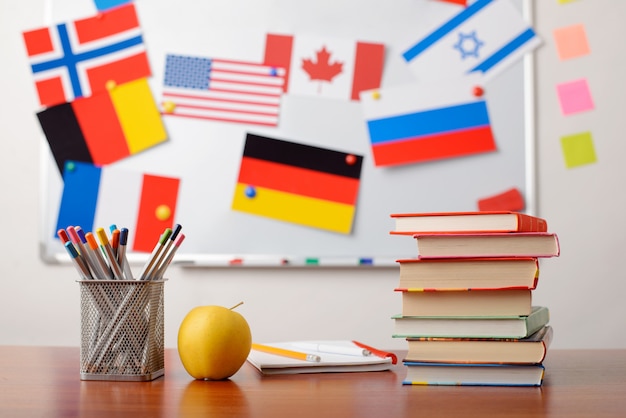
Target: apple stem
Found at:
240, 303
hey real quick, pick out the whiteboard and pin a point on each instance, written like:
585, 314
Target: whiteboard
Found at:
206, 155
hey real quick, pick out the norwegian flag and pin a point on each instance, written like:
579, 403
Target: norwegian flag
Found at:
78, 59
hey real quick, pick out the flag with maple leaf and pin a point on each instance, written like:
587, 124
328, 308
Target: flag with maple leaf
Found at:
325, 67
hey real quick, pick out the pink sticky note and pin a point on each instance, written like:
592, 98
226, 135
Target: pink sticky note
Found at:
571, 41
574, 96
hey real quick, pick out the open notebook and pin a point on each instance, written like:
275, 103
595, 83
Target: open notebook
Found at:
269, 364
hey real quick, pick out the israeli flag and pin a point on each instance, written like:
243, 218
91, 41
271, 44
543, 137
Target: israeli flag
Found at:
486, 37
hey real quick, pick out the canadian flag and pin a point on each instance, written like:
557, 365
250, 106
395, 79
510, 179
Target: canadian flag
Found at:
325, 67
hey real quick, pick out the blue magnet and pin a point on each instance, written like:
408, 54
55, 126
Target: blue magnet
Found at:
250, 191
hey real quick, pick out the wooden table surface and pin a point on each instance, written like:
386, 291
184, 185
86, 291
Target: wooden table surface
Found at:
45, 381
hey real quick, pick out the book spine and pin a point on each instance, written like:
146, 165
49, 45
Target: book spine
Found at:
529, 223
547, 340
537, 320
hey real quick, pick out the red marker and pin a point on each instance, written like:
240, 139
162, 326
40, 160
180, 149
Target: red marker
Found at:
63, 236
377, 352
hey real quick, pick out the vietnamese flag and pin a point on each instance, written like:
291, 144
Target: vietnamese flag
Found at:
106, 127
297, 183
326, 67
96, 197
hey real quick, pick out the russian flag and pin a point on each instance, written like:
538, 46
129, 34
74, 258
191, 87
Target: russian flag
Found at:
485, 37
298, 183
326, 67
106, 127
80, 58
421, 122
96, 197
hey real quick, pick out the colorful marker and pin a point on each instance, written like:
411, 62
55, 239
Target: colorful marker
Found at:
147, 269
106, 248
71, 232
88, 255
121, 255
63, 236
115, 241
97, 255
165, 251
79, 263
168, 259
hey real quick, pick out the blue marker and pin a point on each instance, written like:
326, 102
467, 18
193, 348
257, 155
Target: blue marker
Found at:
121, 254
79, 263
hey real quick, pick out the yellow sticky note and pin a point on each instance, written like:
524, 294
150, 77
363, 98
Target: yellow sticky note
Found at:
578, 149
565, 1
571, 41
139, 115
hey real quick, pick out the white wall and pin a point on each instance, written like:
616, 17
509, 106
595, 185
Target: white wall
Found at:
39, 303
584, 205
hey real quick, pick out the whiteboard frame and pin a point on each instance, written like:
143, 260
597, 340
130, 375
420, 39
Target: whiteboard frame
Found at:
286, 260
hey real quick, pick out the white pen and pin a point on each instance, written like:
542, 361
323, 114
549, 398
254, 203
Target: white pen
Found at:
332, 349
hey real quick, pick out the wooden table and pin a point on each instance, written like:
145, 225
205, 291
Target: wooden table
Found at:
44, 381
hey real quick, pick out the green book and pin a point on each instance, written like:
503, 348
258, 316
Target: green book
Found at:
471, 326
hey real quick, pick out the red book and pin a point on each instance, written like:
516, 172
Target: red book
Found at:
467, 222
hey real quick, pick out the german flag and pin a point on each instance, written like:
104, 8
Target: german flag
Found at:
297, 183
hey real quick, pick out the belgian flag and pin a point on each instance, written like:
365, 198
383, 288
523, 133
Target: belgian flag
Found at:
298, 183
105, 127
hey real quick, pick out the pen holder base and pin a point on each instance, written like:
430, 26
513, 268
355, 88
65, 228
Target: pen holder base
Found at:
122, 335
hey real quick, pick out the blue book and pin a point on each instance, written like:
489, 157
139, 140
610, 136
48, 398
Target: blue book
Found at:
451, 374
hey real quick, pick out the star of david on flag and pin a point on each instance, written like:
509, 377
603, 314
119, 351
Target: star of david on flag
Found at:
486, 37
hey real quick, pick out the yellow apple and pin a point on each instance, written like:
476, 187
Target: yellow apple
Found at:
213, 342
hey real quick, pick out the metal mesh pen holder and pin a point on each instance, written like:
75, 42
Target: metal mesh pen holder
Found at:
121, 330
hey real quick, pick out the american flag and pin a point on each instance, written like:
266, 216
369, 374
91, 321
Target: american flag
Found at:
222, 90
80, 58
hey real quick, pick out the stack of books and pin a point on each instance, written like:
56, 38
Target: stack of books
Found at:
467, 313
